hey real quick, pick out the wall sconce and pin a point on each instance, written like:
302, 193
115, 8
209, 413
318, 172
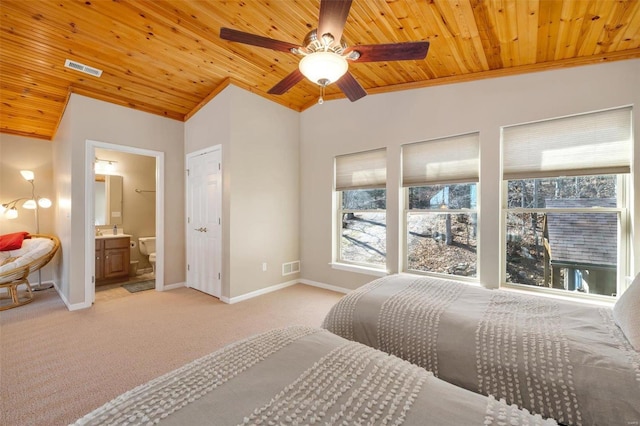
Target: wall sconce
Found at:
10, 211
104, 167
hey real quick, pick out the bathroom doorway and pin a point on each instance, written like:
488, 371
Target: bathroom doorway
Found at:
140, 215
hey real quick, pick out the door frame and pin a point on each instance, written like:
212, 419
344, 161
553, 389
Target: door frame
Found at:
188, 242
90, 242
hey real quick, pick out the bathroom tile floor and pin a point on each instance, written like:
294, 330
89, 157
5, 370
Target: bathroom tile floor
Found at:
116, 291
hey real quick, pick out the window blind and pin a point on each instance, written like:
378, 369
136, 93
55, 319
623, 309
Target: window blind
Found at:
448, 160
363, 170
589, 144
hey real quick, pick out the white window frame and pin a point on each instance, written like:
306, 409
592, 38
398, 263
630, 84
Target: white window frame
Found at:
358, 171
599, 149
405, 237
448, 160
624, 241
371, 268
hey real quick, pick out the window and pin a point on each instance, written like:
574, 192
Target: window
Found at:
565, 213
440, 177
360, 183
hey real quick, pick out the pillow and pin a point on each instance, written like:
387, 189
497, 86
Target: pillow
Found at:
12, 241
626, 313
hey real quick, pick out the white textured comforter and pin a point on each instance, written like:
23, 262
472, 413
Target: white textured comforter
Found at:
562, 360
301, 376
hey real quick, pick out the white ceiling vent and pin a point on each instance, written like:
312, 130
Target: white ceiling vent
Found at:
82, 68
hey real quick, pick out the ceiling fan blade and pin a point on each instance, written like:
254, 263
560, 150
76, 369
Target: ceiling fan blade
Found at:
391, 52
286, 83
333, 16
256, 40
350, 87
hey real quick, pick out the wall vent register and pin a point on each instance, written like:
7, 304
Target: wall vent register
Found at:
290, 268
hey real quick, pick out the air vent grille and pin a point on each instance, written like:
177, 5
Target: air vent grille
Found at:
82, 68
291, 268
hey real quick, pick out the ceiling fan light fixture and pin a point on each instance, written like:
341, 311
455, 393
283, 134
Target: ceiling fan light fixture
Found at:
323, 68
354, 55
327, 39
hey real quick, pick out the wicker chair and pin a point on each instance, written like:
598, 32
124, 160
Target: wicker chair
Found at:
14, 277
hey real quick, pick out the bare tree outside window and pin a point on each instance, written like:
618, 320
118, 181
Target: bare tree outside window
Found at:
441, 229
562, 233
363, 226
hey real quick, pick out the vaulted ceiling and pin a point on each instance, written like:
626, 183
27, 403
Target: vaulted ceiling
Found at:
167, 57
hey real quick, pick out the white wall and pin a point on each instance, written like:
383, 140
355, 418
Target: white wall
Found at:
260, 185
278, 165
62, 172
89, 119
264, 192
389, 120
22, 153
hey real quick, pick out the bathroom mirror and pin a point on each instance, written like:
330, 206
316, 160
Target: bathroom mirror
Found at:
108, 200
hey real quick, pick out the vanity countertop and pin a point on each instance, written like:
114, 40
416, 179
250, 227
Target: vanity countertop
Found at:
101, 237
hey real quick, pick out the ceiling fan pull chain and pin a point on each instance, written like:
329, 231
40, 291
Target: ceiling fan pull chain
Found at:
321, 100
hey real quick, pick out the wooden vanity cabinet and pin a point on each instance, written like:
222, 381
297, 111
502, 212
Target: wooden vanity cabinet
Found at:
112, 260
99, 260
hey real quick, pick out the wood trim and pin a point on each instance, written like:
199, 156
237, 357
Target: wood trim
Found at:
524, 69
274, 98
206, 100
502, 72
227, 81
118, 100
64, 108
25, 134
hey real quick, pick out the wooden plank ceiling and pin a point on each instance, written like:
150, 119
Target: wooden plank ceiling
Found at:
166, 57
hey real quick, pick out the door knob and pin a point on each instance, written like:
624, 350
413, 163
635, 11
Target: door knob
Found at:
201, 229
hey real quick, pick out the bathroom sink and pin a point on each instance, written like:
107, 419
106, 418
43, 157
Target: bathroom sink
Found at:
99, 237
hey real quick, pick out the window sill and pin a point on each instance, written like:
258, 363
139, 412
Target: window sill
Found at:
598, 300
459, 278
360, 269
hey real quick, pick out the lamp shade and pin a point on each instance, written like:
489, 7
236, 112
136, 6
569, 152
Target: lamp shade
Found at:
27, 174
323, 67
45, 203
29, 204
12, 213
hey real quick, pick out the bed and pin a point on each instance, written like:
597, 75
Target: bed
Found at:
563, 360
303, 375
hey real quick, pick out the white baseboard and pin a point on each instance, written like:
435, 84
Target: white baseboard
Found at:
173, 286
70, 306
325, 286
256, 293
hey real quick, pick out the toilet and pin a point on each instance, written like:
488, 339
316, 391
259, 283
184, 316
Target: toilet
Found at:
148, 248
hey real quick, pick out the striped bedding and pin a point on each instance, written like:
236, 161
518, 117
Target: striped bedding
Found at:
303, 376
562, 360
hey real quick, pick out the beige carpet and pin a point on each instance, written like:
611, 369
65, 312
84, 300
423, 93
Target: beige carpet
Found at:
56, 365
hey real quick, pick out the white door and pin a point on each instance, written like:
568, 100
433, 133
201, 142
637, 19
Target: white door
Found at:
204, 202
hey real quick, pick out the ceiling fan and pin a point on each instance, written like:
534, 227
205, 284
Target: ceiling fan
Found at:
326, 56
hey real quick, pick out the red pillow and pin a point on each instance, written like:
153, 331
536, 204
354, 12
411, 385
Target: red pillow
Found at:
13, 241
